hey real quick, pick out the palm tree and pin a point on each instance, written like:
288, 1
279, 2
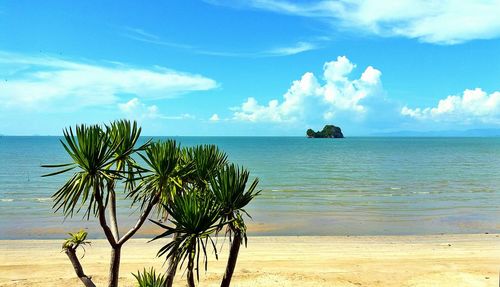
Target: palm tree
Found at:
230, 193
93, 154
101, 157
204, 161
196, 217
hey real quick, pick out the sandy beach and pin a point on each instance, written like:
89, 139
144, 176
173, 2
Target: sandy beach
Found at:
433, 260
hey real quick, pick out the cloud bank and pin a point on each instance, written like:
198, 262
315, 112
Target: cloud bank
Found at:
47, 82
473, 106
308, 97
362, 102
439, 22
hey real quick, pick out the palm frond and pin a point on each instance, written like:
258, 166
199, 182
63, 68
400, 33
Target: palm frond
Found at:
163, 174
207, 159
124, 135
229, 188
195, 218
92, 156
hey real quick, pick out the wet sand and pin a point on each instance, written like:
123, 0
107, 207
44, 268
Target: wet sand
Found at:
431, 260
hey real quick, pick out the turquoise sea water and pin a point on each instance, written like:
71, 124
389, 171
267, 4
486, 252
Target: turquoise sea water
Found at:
352, 186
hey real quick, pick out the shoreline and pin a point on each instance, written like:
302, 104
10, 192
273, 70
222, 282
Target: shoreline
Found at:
397, 260
254, 229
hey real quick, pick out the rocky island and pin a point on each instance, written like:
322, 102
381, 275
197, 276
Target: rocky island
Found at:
329, 131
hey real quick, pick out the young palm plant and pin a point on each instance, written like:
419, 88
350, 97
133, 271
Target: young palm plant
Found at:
149, 278
69, 247
232, 196
196, 218
101, 158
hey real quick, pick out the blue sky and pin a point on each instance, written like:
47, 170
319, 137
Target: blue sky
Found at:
261, 67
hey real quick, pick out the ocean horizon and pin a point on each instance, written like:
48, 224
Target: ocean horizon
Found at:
351, 186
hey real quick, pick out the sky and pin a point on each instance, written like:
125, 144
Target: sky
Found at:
250, 68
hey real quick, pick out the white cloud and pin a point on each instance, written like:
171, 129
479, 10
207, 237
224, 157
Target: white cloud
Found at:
298, 48
52, 83
307, 98
137, 110
214, 118
473, 106
293, 49
143, 36
185, 116
442, 22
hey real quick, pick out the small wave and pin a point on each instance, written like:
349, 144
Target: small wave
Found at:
395, 188
6, 200
275, 190
30, 199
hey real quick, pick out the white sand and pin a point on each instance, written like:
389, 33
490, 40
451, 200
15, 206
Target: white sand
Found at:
438, 260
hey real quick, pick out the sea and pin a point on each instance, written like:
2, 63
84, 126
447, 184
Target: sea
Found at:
351, 186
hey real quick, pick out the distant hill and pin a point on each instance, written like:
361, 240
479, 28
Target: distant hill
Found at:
446, 133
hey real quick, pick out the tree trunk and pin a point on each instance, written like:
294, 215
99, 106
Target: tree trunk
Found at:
172, 267
112, 215
139, 222
86, 280
114, 268
190, 275
102, 216
233, 257
112, 236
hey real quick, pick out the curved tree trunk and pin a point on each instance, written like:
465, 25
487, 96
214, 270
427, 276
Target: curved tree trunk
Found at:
172, 267
86, 280
233, 257
114, 268
101, 214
